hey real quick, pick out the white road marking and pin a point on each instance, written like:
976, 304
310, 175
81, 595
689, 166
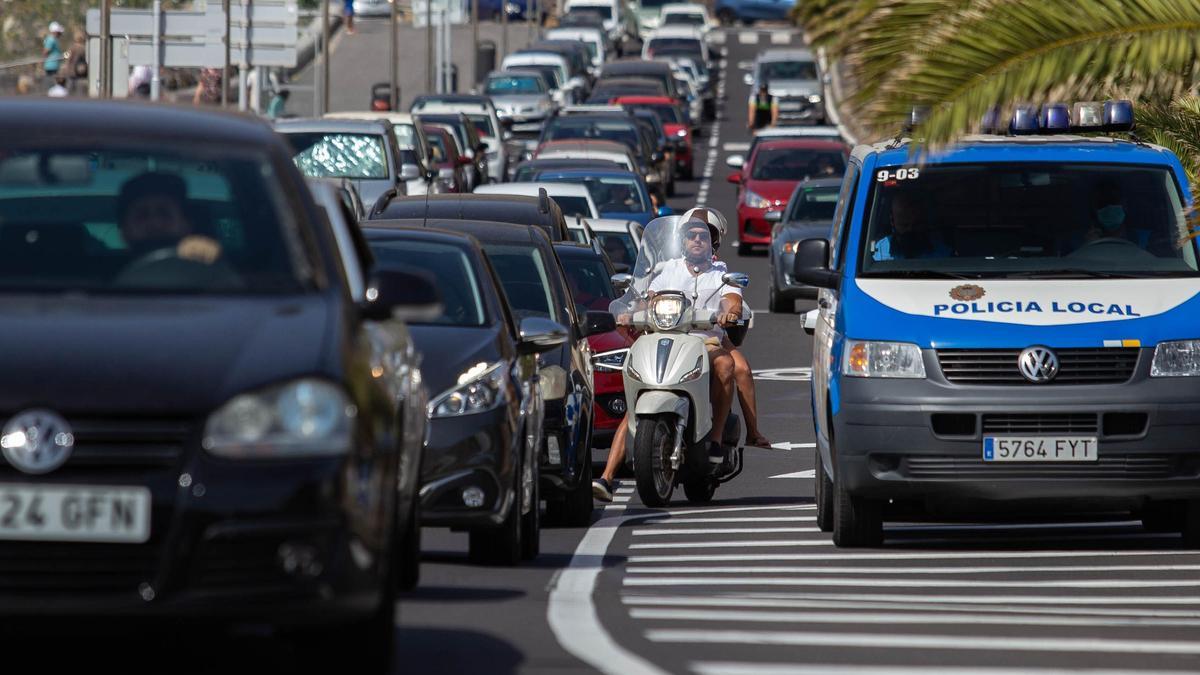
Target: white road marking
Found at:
931, 555
809, 603
920, 619
792, 446
625, 490
615, 507
736, 147
922, 597
800, 374
901, 641
967, 527
822, 569
809, 473
735, 519
718, 37
723, 530
748, 37
780, 37
908, 583
621, 499
737, 668
737, 544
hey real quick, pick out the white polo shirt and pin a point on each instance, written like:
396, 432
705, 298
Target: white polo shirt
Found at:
675, 276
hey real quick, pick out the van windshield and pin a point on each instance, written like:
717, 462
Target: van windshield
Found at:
1026, 221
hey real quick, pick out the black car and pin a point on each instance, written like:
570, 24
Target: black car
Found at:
480, 467
639, 69
608, 89
528, 171
192, 426
518, 209
535, 285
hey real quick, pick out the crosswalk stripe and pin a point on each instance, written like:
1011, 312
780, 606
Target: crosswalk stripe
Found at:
898, 618
917, 641
723, 530
909, 583
748, 37
781, 37
821, 569
736, 519
735, 544
739, 668
915, 605
922, 597
903, 555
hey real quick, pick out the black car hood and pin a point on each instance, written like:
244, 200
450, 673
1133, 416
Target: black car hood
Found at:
179, 355
448, 351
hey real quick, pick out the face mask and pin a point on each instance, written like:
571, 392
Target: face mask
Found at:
1111, 217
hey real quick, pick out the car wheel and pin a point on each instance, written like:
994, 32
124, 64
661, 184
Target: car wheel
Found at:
409, 560
779, 304
823, 495
857, 521
531, 523
499, 545
575, 508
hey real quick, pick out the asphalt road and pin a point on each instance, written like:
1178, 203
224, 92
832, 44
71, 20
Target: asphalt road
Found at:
748, 586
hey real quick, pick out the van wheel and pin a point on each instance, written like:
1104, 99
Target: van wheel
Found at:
1191, 524
699, 490
823, 494
1165, 516
857, 521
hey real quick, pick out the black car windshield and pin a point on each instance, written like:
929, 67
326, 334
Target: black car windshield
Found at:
612, 194
814, 203
684, 45
568, 129
1026, 220
549, 73
138, 220
456, 281
787, 70
500, 85
790, 163
453, 122
682, 19
588, 277
667, 114
525, 276
619, 246
604, 11
573, 206
338, 155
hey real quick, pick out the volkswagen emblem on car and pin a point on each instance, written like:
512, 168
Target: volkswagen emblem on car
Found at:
1038, 364
37, 441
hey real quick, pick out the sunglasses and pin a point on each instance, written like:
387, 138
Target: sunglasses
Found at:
698, 234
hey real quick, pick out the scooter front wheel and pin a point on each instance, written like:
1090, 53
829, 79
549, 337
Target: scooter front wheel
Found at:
652, 447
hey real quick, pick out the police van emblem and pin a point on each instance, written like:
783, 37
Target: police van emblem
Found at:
967, 292
1038, 364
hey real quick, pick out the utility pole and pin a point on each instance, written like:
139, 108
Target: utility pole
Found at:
105, 49
429, 81
394, 70
156, 43
503, 29
475, 41
324, 57
225, 66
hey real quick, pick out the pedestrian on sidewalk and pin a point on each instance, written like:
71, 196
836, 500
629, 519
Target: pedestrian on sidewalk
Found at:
52, 50
208, 91
348, 15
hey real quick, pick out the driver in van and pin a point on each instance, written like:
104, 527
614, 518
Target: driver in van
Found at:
911, 236
1110, 219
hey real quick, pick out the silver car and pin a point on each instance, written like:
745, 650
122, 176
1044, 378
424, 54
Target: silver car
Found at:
794, 79
364, 152
807, 215
522, 98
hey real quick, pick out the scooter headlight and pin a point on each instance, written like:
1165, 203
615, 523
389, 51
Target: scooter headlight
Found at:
666, 311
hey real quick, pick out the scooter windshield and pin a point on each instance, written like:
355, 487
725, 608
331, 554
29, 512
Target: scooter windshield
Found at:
664, 240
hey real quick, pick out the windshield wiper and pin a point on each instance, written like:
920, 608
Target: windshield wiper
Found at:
919, 274
1072, 272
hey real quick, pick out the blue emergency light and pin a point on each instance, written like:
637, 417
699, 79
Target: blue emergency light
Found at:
1024, 121
1058, 118
1055, 117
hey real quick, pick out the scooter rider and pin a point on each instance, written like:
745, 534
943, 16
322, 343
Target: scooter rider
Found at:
698, 270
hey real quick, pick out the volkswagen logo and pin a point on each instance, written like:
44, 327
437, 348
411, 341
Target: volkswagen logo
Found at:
37, 441
1038, 364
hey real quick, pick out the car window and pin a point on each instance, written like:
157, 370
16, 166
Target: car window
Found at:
814, 203
524, 273
339, 155
591, 289
615, 194
796, 164
406, 136
499, 85
842, 214
787, 70
567, 129
437, 148
686, 45
619, 246
114, 220
483, 124
683, 19
457, 284
604, 11
573, 206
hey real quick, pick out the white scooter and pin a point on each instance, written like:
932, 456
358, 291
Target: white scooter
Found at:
666, 376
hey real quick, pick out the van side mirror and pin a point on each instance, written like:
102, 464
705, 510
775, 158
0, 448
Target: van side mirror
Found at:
811, 265
407, 296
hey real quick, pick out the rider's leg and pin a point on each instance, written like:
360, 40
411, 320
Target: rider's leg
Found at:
744, 379
721, 389
616, 455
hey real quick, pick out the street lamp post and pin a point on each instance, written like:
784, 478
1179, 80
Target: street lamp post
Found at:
394, 83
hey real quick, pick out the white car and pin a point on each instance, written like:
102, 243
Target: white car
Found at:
485, 118
567, 92
574, 200
591, 38
414, 147
619, 238
575, 151
687, 15
612, 12
676, 38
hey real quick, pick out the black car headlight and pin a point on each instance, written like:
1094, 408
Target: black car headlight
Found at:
479, 389
611, 361
302, 418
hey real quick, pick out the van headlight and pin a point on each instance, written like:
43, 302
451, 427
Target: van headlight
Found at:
1180, 358
864, 358
666, 310
303, 418
479, 389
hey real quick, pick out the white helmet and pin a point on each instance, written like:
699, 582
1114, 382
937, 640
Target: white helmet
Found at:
714, 220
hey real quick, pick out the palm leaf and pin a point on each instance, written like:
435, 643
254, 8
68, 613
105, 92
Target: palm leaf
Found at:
1176, 127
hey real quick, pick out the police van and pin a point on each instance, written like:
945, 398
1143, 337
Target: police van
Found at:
1015, 318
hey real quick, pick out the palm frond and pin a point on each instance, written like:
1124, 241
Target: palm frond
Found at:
1175, 125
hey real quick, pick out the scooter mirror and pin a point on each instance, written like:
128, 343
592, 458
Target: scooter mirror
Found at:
739, 279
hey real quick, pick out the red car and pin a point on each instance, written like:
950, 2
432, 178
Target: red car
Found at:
769, 176
679, 132
445, 158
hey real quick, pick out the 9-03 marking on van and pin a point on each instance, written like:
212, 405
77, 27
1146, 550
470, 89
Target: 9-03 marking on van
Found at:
1035, 302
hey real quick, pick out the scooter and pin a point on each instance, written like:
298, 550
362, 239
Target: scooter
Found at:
666, 377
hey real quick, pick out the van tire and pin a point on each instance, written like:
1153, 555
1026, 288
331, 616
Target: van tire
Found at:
1191, 524
823, 495
858, 521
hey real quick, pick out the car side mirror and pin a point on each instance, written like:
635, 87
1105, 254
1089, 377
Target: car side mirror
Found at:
597, 323
811, 265
735, 161
664, 211
410, 172
407, 296
735, 178
540, 335
809, 321
748, 78
469, 153
739, 279
622, 281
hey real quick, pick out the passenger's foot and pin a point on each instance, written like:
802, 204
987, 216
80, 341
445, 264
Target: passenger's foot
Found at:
758, 441
602, 490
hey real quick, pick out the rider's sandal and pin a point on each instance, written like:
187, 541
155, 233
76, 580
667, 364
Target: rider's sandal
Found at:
759, 442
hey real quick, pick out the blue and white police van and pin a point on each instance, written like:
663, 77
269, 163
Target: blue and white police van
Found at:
1015, 318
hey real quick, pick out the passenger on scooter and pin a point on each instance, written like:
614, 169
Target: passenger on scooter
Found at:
699, 272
